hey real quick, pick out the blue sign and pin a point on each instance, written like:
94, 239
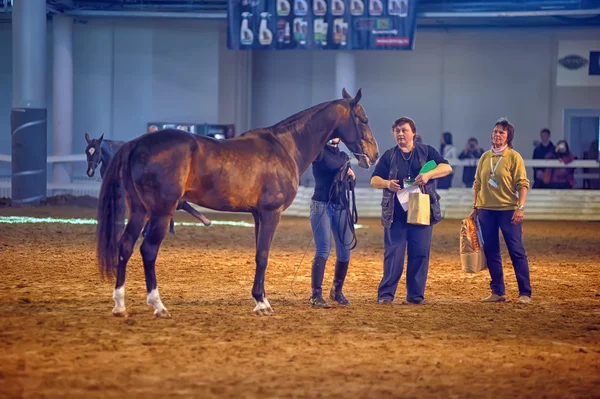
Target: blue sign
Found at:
321, 24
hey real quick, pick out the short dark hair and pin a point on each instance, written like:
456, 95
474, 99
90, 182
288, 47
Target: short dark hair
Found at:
447, 137
401, 121
545, 130
510, 129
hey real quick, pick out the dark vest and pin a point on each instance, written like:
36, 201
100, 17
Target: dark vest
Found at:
387, 203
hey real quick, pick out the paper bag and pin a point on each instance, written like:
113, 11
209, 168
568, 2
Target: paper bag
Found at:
472, 257
419, 211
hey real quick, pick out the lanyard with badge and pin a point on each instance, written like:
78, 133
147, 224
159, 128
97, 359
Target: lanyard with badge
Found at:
408, 181
493, 182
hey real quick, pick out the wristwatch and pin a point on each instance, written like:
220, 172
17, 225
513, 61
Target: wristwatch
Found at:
521, 207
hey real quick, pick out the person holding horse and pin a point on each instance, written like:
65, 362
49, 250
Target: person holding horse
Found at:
328, 214
398, 168
499, 195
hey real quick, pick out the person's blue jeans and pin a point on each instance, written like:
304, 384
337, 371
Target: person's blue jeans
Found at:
399, 238
491, 223
324, 220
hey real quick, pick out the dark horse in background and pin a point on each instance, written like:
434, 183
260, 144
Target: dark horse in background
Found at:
100, 151
257, 172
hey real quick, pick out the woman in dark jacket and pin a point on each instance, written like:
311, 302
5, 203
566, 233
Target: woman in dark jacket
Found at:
399, 167
327, 216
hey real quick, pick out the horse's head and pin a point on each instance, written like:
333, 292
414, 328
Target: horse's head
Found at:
93, 152
356, 133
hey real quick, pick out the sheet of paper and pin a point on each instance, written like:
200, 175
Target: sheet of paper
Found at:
403, 195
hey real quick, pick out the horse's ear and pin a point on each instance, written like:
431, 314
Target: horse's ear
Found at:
87, 137
100, 139
358, 96
346, 95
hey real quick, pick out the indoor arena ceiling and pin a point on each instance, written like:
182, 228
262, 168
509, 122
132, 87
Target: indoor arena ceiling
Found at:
450, 13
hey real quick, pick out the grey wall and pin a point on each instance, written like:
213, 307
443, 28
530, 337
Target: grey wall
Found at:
126, 73
457, 80
130, 71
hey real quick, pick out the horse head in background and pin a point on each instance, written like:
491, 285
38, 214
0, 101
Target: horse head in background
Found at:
100, 151
93, 152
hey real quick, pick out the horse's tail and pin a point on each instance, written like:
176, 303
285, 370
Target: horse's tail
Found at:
111, 211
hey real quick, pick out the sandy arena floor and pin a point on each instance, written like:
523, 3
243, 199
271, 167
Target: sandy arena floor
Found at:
58, 337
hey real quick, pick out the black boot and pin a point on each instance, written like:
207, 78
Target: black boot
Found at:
341, 268
172, 226
318, 270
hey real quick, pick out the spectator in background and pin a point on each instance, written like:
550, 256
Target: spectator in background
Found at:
152, 129
448, 152
472, 152
542, 149
592, 153
560, 178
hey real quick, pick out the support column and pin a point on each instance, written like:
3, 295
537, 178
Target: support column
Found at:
62, 97
345, 73
28, 115
345, 77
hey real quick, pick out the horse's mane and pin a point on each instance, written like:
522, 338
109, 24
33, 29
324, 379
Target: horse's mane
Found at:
294, 122
299, 118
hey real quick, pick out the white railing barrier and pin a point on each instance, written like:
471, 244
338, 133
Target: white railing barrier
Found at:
535, 163
455, 203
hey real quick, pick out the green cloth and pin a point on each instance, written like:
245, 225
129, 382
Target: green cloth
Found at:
428, 167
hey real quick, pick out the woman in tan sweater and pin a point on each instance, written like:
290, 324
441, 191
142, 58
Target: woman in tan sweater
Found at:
500, 191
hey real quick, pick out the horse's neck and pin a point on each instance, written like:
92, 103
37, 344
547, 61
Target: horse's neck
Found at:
106, 153
305, 142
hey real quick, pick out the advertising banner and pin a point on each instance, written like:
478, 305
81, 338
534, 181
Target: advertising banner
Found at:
321, 24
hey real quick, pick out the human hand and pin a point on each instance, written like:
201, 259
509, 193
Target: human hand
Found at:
473, 213
539, 174
422, 179
393, 186
517, 216
351, 174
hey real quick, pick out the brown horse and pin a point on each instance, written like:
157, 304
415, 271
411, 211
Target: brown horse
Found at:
257, 172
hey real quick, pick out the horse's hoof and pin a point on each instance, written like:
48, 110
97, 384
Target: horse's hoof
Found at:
120, 313
162, 314
263, 312
263, 308
205, 221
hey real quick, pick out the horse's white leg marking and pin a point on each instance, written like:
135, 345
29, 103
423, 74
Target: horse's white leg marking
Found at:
119, 298
263, 307
154, 300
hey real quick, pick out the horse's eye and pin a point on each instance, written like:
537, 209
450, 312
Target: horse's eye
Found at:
363, 119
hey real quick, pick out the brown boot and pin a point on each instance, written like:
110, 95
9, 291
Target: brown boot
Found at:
494, 298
